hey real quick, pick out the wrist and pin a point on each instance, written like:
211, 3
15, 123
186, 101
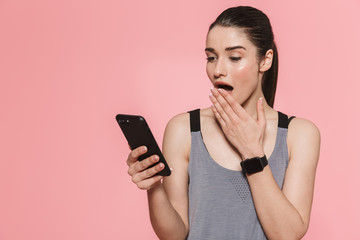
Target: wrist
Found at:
254, 165
259, 152
155, 187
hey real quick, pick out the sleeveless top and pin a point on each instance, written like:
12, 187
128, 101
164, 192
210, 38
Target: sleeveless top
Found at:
220, 201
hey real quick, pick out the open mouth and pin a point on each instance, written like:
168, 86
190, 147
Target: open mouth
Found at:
224, 86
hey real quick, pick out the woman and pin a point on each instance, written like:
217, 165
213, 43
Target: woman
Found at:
240, 169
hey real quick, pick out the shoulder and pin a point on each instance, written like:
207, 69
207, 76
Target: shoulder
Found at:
178, 124
303, 128
303, 136
304, 147
177, 135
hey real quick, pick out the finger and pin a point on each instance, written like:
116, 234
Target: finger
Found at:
144, 164
216, 99
218, 117
148, 173
134, 154
148, 183
233, 109
140, 166
234, 105
261, 112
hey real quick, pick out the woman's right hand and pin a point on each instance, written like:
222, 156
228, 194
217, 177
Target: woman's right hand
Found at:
144, 178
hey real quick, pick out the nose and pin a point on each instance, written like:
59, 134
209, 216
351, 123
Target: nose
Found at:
220, 69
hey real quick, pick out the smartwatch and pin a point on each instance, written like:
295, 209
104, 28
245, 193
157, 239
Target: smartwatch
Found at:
253, 165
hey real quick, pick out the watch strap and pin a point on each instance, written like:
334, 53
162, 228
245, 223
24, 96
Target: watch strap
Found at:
254, 165
264, 161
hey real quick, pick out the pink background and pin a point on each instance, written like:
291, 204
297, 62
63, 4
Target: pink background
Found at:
68, 67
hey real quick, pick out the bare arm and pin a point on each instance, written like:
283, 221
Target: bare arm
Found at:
168, 203
167, 200
283, 214
286, 214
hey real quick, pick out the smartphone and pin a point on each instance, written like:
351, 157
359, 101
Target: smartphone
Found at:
138, 133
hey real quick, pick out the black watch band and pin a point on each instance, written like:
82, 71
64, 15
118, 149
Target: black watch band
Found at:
254, 165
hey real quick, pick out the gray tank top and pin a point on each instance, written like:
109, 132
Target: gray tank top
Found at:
220, 202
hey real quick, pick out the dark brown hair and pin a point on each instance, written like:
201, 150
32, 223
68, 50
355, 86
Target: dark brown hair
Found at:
259, 31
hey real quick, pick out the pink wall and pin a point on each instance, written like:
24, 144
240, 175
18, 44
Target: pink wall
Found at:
68, 67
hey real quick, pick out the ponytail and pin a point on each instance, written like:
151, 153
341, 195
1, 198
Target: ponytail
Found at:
259, 31
269, 80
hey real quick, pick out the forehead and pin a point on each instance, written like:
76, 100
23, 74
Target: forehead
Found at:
220, 38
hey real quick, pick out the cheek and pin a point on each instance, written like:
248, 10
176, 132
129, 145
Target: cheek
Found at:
241, 74
246, 72
246, 81
209, 72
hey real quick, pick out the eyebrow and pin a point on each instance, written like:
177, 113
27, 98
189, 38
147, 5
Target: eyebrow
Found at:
226, 49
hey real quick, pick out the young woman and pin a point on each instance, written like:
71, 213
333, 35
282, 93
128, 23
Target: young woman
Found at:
240, 169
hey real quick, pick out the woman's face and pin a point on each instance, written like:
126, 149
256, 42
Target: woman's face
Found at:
232, 63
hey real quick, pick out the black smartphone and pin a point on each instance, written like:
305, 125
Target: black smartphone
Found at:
138, 133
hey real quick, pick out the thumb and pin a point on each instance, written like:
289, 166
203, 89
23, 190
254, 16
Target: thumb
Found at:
260, 112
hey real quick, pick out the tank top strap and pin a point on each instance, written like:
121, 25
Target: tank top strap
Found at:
195, 120
284, 120
291, 118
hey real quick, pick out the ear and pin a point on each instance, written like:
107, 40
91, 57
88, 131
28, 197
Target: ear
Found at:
266, 62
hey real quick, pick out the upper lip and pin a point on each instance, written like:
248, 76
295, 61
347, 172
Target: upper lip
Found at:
224, 85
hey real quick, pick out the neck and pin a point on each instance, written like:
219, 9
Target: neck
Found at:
250, 105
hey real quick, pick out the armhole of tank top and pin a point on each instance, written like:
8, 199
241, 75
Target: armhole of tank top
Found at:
291, 118
284, 120
288, 147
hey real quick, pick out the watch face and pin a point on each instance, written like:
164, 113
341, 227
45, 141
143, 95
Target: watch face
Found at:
252, 165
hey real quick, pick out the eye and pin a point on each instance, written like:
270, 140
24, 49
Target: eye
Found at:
210, 59
235, 59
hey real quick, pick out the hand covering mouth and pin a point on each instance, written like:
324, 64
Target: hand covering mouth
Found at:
224, 86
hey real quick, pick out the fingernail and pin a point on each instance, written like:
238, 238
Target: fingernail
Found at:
261, 100
161, 165
144, 149
156, 157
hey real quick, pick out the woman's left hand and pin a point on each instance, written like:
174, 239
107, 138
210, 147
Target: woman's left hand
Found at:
244, 133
